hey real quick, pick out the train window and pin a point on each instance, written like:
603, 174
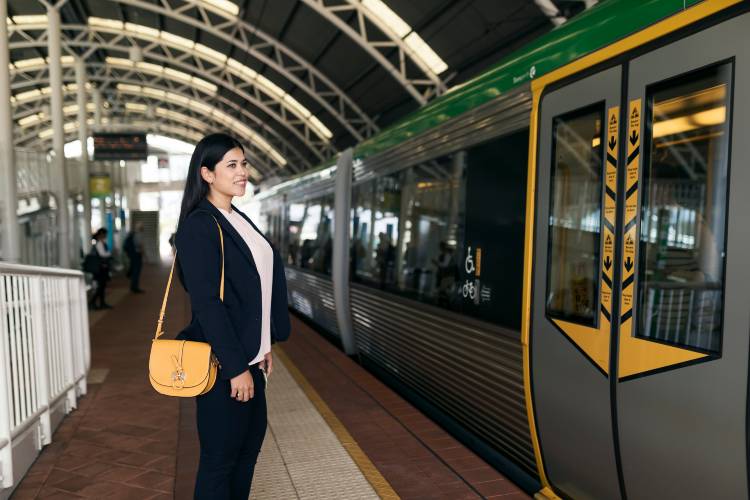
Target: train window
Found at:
683, 216
575, 216
310, 230
375, 230
361, 231
412, 232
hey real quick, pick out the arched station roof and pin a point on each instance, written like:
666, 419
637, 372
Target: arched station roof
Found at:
297, 80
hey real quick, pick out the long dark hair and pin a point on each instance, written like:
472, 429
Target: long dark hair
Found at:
208, 152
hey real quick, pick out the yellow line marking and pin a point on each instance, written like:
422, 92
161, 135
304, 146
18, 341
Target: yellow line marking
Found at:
381, 486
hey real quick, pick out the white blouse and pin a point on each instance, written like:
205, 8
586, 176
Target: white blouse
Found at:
263, 256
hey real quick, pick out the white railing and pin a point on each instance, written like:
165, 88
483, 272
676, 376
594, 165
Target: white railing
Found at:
45, 355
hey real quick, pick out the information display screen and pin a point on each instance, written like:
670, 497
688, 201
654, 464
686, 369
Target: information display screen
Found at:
120, 147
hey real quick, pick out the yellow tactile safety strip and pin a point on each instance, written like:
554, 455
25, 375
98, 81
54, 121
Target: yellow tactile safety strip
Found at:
371, 473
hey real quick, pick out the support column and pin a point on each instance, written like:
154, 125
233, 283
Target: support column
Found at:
54, 48
83, 134
11, 234
97, 108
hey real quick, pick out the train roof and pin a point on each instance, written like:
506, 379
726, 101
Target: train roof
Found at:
594, 29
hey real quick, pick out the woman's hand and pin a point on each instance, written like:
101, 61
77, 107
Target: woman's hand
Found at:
242, 387
266, 364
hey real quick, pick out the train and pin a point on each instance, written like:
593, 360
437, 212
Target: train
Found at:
550, 259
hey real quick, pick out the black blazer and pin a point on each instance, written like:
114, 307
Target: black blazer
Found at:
232, 327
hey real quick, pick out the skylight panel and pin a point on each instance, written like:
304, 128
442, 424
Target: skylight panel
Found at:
224, 8
39, 19
424, 52
389, 18
420, 50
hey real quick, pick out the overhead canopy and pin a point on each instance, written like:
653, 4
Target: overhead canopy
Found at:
296, 80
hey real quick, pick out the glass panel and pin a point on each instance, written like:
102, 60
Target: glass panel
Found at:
683, 217
431, 204
375, 231
411, 232
575, 217
361, 232
310, 230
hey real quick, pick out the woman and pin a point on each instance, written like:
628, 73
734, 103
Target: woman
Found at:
99, 268
231, 416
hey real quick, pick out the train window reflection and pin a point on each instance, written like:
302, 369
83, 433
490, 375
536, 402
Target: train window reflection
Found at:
683, 217
310, 233
575, 216
413, 231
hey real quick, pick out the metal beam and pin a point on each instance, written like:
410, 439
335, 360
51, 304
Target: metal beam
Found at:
271, 52
421, 89
30, 135
106, 76
90, 40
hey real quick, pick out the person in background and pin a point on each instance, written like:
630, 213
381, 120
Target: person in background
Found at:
133, 247
171, 243
99, 268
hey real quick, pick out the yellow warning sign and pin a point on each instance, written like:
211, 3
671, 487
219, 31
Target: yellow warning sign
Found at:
610, 204
631, 211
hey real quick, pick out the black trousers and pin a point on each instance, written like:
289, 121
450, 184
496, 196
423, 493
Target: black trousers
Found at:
98, 299
136, 264
231, 434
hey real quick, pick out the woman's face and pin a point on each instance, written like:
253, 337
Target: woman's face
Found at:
229, 177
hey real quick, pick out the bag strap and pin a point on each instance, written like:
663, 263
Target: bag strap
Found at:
160, 323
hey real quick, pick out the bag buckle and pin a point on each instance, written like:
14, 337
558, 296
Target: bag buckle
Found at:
178, 379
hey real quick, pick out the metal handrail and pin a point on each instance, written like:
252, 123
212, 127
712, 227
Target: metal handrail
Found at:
8, 268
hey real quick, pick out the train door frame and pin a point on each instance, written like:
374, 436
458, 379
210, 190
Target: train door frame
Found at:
689, 20
660, 380
572, 364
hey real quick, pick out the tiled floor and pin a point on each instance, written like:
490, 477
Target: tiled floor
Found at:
415, 456
301, 456
334, 430
120, 443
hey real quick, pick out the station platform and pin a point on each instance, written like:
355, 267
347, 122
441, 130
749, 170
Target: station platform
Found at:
335, 431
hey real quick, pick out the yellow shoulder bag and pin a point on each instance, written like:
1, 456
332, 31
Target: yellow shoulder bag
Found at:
183, 368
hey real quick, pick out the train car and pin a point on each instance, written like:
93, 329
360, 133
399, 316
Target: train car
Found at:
550, 260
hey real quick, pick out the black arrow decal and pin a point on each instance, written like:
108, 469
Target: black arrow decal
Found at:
634, 137
612, 143
607, 263
628, 264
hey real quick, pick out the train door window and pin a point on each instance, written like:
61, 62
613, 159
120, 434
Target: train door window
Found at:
684, 210
575, 216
